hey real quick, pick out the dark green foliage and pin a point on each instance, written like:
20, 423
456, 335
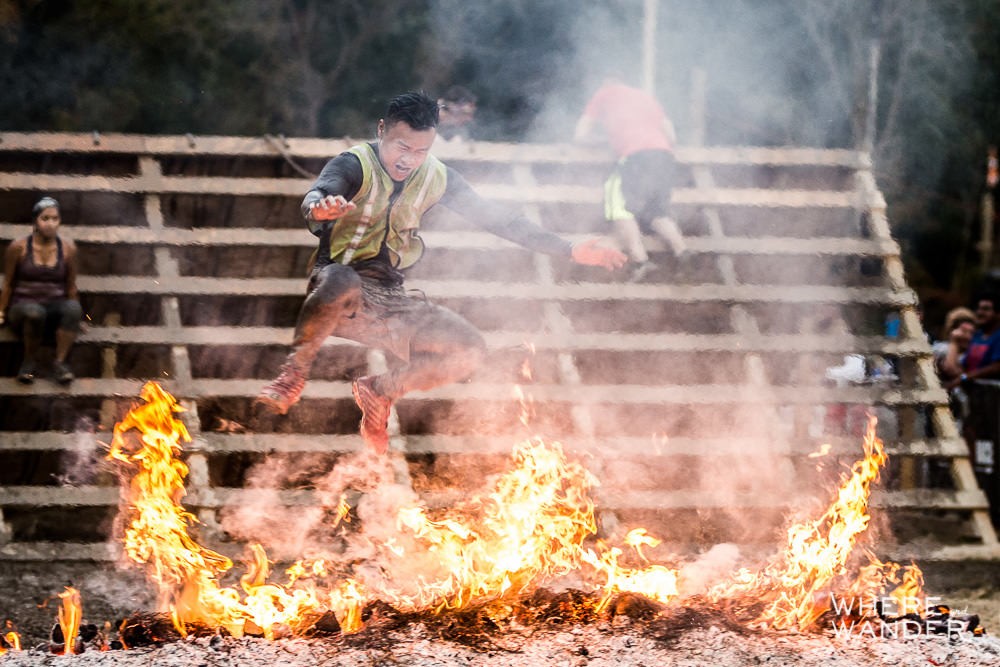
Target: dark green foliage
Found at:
778, 72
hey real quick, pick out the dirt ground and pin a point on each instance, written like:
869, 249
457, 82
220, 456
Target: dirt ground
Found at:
110, 594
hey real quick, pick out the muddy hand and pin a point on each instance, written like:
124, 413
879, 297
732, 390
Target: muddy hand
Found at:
330, 207
591, 253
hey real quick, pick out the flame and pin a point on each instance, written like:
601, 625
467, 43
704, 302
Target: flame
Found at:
526, 404
525, 401
157, 537
794, 587
536, 524
69, 615
531, 527
527, 373
823, 450
11, 639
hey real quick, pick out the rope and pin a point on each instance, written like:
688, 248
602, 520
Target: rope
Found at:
279, 144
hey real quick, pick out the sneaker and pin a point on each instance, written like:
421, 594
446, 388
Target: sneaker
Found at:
26, 374
284, 391
374, 414
61, 373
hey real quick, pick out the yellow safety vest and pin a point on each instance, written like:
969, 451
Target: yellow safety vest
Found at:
358, 235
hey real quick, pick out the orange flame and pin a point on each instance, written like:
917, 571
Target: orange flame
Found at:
11, 639
69, 615
157, 535
530, 528
793, 587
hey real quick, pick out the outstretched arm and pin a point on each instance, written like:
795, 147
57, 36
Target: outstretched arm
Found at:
508, 224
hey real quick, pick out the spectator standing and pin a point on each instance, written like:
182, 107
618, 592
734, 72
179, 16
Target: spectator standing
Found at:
39, 295
637, 194
949, 352
982, 360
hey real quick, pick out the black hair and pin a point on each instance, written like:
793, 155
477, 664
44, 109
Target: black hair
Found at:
988, 296
417, 110
41, 205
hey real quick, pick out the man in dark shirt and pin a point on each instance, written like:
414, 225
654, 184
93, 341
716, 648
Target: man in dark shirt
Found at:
982, 359
366, 208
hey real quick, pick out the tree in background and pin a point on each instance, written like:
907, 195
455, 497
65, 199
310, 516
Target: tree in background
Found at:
297, 67
779, 72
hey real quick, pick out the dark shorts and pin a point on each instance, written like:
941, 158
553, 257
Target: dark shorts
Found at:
402, 322
44, 318
640, 187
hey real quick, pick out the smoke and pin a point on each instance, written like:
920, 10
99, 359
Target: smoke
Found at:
80, 463
712, 567
777, 73
316, 531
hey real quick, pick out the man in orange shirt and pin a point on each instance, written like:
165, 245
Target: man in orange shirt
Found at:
637, 194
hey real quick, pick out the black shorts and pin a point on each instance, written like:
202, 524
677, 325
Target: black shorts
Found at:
641, 186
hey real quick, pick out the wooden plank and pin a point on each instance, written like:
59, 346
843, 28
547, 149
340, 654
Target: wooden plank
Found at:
702, 394
780, 156
499, 340
936, 499
264, 146
96, 496
60, 551
297, 237
100, 387
458, 289
296, 187
111, 552
51, 441
622, 446
457, 240
199, 185
439, 444
58, 496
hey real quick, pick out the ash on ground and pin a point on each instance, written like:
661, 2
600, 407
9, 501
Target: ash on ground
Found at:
641, 637
622, 643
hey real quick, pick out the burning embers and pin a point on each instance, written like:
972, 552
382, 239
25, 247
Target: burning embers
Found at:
530, 528
10, 640
481, 566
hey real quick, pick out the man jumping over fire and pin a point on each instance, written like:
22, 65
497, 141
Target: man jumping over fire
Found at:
366, 208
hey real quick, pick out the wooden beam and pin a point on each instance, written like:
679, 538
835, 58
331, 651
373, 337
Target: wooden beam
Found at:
466, 289
458, 240
540, 341
623, 446
592, 394
478, 151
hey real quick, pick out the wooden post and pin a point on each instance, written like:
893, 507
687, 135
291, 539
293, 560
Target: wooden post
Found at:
871, 108
649, 46
988, 211
699, 86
